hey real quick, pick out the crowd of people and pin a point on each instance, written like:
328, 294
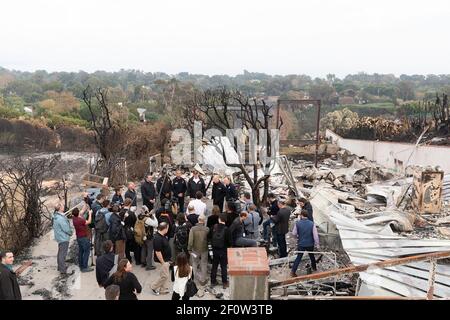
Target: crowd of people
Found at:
173, 232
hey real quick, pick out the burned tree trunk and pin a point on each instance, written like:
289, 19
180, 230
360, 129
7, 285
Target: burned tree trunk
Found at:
109, 135
224, 110
21, 207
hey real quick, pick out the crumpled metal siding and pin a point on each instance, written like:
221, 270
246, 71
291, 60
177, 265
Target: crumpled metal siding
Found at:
365, 244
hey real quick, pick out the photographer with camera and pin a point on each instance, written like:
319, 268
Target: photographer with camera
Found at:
144, 235
87, 199
81, 229
101, 228
117, 197
165, 214
117, 231
129, 219
164, 186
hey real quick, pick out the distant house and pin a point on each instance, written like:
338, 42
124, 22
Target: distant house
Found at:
346, 100
28, 110
272, 100
141, 112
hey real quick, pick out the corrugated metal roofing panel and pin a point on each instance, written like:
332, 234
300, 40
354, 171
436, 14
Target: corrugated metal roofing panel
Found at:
365, 244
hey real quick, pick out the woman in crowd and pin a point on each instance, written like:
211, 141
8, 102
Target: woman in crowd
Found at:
126, 280
181, 273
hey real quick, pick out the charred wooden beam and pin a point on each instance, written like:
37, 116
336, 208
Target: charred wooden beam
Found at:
361, 268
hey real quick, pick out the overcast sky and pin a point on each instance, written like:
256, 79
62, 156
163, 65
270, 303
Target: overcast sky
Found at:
313, 37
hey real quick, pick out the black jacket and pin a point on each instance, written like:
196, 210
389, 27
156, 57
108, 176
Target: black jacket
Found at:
116, 229
130, 221
166, 216
117, 199
228, 241
89, 201
230, 218
218, 193
236, 230
179, 186
193, 187
165, 184
9, 287
132, 195
210, 223
103, 266
273, 209
148, 193
193, 218
232, 194
282, 220
127, 286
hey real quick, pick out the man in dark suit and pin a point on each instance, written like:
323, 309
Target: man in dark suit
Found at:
179, 188
218, 192
148, 192
195, 183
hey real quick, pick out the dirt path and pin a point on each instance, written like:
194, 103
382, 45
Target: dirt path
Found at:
42, 281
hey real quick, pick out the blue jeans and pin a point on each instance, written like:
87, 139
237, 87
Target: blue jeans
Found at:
84, 247
266, 226
299, 258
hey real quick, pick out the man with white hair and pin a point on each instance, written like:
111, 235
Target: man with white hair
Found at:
63, 232
192, 216
231, 192
198, 204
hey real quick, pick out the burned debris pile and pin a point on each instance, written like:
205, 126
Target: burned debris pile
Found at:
367, 214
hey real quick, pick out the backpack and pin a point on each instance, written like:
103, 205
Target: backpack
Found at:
100, 222
139, 232
250, 224
218, 237
181, 237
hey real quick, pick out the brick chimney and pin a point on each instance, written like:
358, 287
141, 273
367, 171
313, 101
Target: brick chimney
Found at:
248, 269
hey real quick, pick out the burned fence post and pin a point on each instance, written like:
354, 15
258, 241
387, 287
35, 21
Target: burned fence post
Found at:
431, 279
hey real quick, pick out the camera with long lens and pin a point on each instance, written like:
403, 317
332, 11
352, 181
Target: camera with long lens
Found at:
168, 204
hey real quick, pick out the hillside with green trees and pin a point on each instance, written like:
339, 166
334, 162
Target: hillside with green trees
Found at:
55, 99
